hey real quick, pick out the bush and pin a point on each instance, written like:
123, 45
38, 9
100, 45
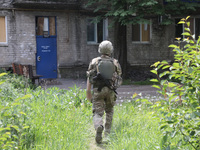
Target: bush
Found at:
180, 107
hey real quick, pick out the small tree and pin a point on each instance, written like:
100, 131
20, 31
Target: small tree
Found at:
180, 107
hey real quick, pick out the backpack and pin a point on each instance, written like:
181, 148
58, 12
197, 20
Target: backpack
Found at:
106, 68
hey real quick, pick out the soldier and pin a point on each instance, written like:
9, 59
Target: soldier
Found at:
104, 74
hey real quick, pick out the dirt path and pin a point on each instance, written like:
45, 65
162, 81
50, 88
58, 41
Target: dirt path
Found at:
93, 145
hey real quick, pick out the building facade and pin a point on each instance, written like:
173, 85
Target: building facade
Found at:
59, 38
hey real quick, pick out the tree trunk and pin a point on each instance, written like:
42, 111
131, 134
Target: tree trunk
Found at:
120, 47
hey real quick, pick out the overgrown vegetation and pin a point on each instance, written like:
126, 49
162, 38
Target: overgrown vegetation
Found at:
42, 118
53, 118
62, 119
179, 110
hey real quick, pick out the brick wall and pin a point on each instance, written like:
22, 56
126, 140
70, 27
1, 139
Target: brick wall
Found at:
73, 52
157, 49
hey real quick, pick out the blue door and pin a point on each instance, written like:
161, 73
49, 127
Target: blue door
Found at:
46, 56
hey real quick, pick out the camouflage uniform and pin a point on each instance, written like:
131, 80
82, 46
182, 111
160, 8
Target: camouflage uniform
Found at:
104, 100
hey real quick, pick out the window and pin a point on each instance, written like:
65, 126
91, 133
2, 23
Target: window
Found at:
194, 27
141, 32
45, 26
97, 32
3, 32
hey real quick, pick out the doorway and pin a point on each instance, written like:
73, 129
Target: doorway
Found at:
46, 41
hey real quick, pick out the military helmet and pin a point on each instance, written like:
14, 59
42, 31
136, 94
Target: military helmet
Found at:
105, 47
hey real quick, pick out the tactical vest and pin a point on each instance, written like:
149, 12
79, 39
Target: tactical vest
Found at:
106, 68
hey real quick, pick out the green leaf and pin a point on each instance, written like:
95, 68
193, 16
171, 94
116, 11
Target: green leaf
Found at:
156, 86
154, 80
2, 74
187, 17
134, 95
15, 127
26, 127
24, 97
176, 65
1, 82
164, 126
164, 139
187, 29
123, 14
154, 71
115, 13
173, 46
165, 67
23, 113
190, 70
197, 113
156, 63
164, 73
186, 34
181, 22
198, 107
171, 84
15, 104
188, 24
163, 82
164, 62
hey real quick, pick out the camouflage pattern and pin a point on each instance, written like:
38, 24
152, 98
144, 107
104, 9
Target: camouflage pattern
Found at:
104, 100
105, 47
92, 70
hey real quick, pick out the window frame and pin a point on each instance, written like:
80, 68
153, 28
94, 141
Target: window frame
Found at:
6, 31
183, 28
105, 31
150, 33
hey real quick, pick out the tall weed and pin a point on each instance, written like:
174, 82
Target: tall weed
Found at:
12, 124
42, 118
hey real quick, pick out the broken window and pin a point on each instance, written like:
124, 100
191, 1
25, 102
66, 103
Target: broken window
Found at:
141, 32
3, 34
46, 26
97, 32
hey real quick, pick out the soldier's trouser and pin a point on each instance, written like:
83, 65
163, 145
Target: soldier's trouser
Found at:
103, 101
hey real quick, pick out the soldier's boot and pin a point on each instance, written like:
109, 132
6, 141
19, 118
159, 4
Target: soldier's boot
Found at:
99, 131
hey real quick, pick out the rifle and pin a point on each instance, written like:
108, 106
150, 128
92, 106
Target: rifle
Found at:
100, 82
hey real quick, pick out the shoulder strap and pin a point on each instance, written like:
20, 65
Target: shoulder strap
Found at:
97, 65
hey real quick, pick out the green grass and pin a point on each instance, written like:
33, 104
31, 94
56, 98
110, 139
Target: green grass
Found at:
56, 119
44, 119
57, 122
134, 128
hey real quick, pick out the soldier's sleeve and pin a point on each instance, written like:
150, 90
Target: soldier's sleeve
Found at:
92, 69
